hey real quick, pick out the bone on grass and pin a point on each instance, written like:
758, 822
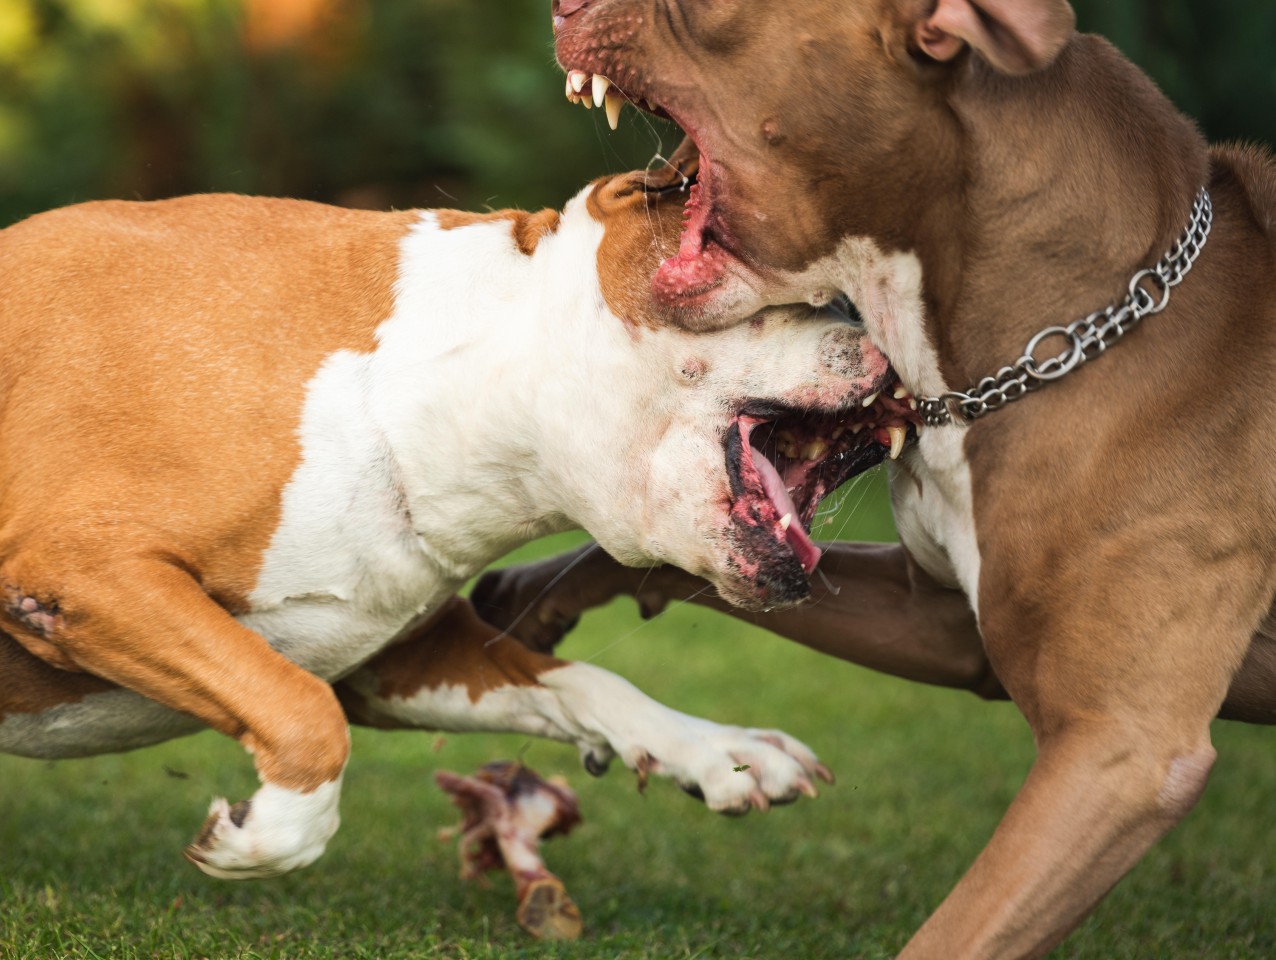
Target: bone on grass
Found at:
507, 810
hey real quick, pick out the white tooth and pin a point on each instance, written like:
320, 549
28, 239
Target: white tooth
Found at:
901, 391
870, 399
569, 91
614, 102
601, 85
897, 441
912, 403
577, 80
589, 104
785, 521
856, 427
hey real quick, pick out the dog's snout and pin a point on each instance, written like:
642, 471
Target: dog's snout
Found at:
846, 352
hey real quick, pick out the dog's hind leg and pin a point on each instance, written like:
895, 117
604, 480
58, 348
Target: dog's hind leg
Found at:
456, 672
143, 622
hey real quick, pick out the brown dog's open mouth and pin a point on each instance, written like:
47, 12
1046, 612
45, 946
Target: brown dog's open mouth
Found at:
782, 462
705, 248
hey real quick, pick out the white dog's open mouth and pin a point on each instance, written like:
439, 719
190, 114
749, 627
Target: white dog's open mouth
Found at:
783, 462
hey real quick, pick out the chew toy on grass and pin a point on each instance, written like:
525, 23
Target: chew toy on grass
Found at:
507, 810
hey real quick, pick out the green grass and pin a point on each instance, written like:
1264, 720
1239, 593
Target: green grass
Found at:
90, 864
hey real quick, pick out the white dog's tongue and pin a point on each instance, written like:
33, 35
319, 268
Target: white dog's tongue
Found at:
808, 553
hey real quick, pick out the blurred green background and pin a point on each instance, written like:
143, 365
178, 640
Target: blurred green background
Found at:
418, 102
458, 102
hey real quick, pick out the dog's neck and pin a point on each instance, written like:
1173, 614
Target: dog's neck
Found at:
1073, 179
492, 450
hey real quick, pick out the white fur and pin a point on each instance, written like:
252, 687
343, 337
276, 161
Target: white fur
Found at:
100, 723
284, 830
935, 517
503, 401
605, 716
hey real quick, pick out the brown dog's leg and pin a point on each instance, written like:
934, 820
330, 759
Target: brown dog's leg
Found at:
879, 609
145, 624
455, 672
1119, 673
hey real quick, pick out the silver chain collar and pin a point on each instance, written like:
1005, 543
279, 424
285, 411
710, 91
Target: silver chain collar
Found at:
1149, 293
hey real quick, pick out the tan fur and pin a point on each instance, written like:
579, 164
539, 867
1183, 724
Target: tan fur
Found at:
527, 229
161, 338
452, 648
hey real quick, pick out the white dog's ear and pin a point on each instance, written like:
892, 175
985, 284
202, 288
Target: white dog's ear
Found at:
1015, 36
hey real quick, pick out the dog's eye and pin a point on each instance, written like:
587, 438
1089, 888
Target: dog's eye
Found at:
842, 304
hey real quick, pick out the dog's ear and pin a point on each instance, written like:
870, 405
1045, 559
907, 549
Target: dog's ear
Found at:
1015, 36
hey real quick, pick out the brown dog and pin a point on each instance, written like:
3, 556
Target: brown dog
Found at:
973, 173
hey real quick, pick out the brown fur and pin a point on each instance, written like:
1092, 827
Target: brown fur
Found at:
1126, 515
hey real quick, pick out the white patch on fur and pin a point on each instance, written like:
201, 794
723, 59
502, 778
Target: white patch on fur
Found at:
284, 830
605, 716
504, 402
935, 522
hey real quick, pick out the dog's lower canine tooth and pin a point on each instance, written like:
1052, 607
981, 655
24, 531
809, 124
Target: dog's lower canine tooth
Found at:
901, 391
897, 440
600, 87
614, 102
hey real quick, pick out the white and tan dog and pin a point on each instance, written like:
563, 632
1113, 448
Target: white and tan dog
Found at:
251, 447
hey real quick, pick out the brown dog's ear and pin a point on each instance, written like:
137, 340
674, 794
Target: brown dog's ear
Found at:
1014, 36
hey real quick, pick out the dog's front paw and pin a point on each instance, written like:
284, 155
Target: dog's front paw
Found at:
732, 769
278, 830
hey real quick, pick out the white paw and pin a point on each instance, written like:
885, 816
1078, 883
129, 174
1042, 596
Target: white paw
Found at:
731, 768
276, 831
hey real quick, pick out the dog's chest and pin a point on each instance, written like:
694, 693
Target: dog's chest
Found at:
931, 488
345, 570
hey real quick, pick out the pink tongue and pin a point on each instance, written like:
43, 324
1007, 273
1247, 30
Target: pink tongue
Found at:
808, 553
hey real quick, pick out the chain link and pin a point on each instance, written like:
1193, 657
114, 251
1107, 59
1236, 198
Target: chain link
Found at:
1085, 339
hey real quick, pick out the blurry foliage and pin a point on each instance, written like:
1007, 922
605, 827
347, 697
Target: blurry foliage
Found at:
420, 102
381, 102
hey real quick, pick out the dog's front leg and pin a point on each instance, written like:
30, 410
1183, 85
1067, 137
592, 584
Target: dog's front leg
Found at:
456, 672
873, 606
1119, 675
144, 623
